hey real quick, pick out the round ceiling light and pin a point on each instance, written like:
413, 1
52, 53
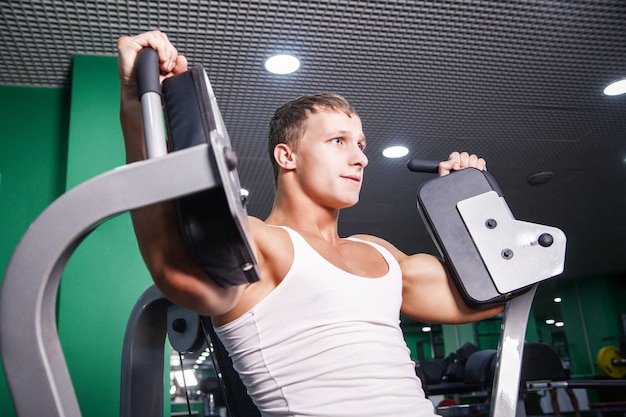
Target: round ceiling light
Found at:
395, 152
282, 64
616, 88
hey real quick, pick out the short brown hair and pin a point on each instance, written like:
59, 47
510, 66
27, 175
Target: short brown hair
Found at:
289, 120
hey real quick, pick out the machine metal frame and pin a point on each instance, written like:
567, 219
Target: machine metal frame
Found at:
33, 360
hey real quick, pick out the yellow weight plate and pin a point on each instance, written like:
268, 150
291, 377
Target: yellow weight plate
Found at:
608, 361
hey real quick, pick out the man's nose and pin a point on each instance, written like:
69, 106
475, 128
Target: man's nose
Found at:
359, 157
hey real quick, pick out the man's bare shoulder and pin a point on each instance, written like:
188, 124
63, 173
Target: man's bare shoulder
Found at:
274, 250
258, 226
268, 237
255, 223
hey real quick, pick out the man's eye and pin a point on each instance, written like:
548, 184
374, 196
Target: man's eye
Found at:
337, 140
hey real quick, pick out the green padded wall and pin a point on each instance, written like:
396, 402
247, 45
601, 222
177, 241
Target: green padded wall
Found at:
33, 150
106, 275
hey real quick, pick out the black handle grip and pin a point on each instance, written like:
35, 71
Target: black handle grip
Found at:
147, 72
423, 165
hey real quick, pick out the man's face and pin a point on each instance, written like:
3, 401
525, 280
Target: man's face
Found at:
330, 158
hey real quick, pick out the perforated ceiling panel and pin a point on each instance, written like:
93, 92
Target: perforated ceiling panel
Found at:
518, 82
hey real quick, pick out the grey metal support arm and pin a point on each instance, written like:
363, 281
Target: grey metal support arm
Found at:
33, 359
505, 400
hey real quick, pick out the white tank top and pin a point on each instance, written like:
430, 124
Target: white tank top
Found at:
326, 342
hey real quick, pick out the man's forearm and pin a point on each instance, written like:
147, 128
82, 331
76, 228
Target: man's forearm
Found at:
132, 128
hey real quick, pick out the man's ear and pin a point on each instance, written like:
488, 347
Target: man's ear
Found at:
284, 156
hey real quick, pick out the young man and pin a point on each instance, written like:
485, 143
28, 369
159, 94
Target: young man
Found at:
319, 334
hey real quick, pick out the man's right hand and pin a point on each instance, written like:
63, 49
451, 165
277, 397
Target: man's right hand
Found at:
170, 61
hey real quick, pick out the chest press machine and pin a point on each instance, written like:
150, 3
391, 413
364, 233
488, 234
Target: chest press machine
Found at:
493, 257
